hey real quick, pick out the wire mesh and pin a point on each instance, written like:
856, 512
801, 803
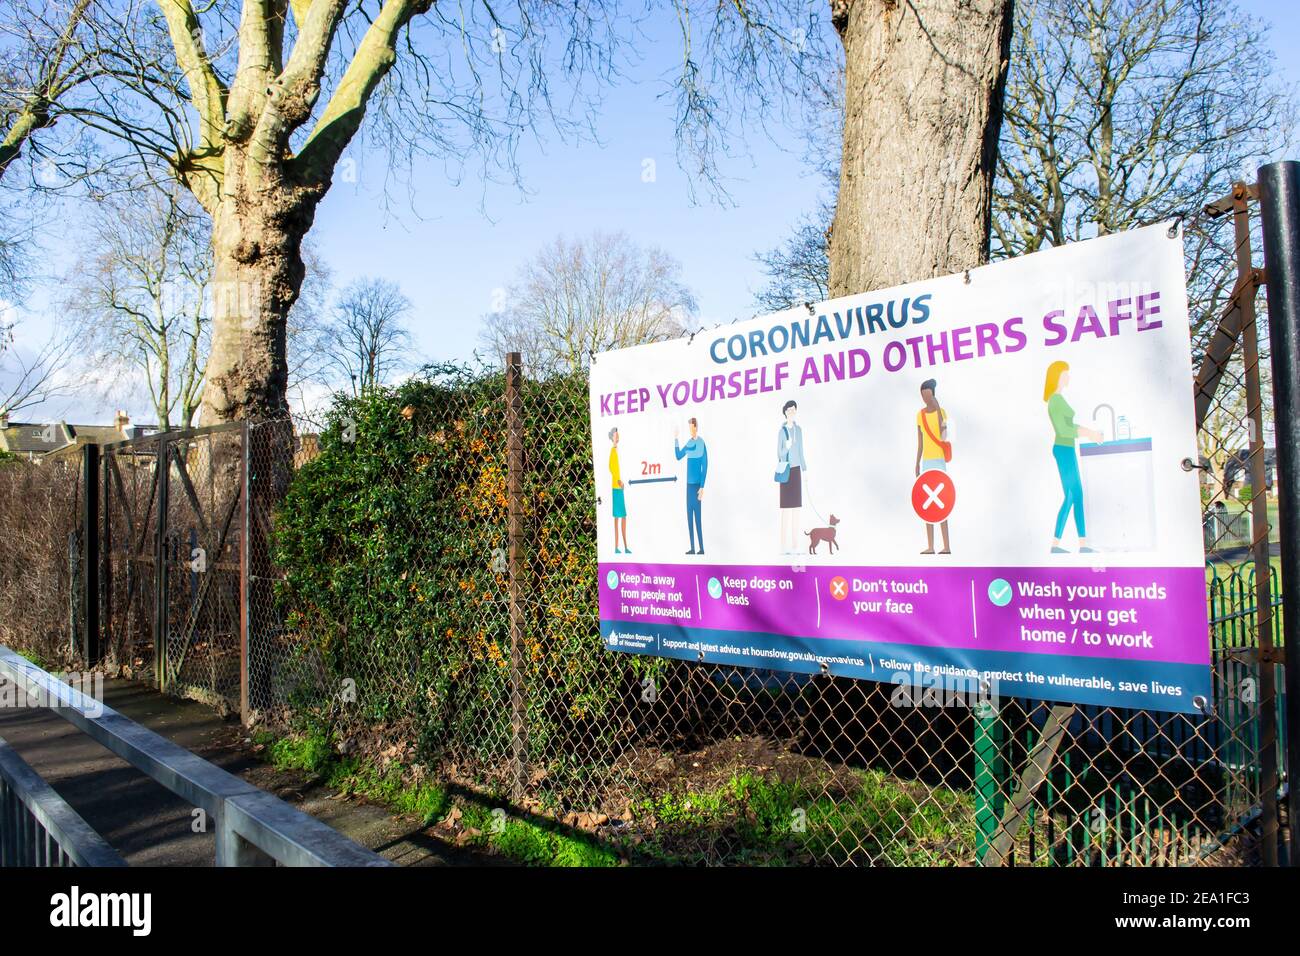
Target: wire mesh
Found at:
39, 556
129, 490
390, 619
201, 559
433, 606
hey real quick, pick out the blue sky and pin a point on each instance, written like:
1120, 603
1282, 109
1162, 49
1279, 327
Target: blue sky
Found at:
462, 242
455, 244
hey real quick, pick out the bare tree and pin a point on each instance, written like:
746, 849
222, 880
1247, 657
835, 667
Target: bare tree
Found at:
578, 297
142, 294
1120, 112
308, 342
798, 271
923, 84
45, 372
250, 104
367, 340
13, 262
42, 60
142, 290
1224, 435
1127, 111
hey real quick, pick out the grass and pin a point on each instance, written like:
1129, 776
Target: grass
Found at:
424, 799
763, 821
529, 842
33, 658
534, 843
861, 816
1224, 570
310, 752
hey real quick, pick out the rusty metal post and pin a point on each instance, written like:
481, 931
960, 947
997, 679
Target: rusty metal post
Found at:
162, 476
106, 555
1218, 351
245, 546
1266, 656
515, 570
91, 651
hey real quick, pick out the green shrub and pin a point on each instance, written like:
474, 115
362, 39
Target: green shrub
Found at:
393, 543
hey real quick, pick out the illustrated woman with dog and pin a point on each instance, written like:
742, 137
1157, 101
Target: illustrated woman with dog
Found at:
790, 469
1066, 433
933, 451
616, 493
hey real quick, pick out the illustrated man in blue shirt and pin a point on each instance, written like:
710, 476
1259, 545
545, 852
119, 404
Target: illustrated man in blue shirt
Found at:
697, 468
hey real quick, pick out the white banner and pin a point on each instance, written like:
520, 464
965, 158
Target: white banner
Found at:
979, 473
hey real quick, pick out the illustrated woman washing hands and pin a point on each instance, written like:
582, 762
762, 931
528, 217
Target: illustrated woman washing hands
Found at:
1066, 433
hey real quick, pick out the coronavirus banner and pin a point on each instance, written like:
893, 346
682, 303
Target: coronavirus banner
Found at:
982, 478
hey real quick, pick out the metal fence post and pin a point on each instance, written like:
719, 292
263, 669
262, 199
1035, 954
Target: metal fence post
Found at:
1265, 658
1279, 203
987, 752
515, 569
106, 555
245, 546
160, 568
90, 643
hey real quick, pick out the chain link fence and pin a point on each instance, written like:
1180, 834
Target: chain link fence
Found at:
419, 583
40, 547
434, 606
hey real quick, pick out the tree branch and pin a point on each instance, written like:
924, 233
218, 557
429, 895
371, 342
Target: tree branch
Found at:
374, 57
207, 92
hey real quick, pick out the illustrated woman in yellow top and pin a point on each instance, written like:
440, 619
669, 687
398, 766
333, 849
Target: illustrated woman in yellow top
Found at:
616, 484
931, 437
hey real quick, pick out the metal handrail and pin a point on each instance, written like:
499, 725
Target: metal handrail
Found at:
253, 828
37, 827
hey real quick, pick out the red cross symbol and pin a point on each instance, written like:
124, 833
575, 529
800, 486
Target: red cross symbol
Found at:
933, 496
839, 588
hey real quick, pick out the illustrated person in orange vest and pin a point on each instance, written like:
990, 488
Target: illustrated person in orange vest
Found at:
933, 451
616, 487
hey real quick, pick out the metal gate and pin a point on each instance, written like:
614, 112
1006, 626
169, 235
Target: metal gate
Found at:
171, 560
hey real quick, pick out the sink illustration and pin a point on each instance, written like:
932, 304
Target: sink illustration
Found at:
1118, 494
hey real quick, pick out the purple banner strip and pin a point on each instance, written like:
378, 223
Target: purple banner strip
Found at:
1143, 614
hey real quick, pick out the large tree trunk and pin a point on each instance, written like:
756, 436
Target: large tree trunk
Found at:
922, 109
257, 274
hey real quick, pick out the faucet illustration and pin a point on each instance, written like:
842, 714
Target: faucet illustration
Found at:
1114, 432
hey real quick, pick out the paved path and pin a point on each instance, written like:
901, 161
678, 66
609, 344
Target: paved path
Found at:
150, 826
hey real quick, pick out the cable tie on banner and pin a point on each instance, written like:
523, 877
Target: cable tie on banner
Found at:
809, 307
1189, 465
826, 668
968, 277
700, 657
692, 338
1172, 232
